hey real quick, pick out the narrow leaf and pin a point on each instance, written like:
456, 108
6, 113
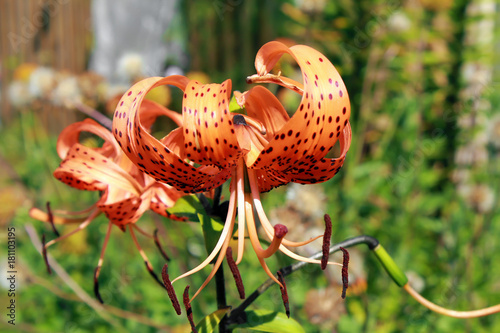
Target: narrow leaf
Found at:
187, 206
210, 322
211, 230
269, 321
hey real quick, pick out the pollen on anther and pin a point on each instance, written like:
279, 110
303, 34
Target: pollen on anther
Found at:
236, 273
170, 289
345, 272
326, 241
284, 294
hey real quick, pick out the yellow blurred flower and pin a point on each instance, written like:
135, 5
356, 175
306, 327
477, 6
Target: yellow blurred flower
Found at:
201, 77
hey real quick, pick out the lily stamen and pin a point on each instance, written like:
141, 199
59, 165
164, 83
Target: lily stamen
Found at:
267, 225
189, 310
170, 289
241, 119
345, 272
284, 293
228, 229
235, 271
158, 245
240, 192
279, 232
326, 241
51, 219
97, 270
60, 238
278, 79
155, 238
254, 238
149, 267
97, 294
42, 216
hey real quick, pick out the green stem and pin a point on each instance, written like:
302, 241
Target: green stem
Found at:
390, 266
237, 315
221, 297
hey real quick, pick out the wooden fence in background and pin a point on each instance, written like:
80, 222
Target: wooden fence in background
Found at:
54, 33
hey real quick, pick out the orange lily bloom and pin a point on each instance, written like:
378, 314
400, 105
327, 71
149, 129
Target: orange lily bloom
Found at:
126, 192
260, 148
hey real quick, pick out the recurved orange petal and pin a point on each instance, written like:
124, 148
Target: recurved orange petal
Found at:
71, 135
86, 169
325, 168
261, 104
317, 124
120, 209
209, 136
150, 154
150, 110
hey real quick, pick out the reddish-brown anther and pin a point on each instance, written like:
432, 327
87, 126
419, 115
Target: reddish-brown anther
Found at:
51, 219
345, 274
284, 294
44, 253
326, 241
96, 285
189, 311
280, 231
170, 289
158, 245
236, 272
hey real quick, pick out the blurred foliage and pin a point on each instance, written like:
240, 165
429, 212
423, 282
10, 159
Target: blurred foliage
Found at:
407, 66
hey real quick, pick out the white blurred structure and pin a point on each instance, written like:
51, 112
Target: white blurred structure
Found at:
134, 27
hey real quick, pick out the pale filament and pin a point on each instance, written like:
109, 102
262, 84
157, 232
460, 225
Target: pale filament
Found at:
80, 227
138, 246
278, 79
42, 216
301, 258
226, 233
255, 124
264, 221
222, 255
143, 232
70, 213
103, 250
268, 228
254, 239
240, 190
258, 140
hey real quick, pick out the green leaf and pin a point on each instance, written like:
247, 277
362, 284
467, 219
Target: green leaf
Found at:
269, 321
187, 206
234, 107
210, 322
212, 229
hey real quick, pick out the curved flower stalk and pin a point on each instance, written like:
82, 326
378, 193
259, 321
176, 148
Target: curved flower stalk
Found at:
126, 193
259, 148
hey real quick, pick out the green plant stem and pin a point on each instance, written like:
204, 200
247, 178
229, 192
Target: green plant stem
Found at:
238, 316
221, 297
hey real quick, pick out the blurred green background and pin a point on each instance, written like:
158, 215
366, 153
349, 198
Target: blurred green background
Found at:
422, 174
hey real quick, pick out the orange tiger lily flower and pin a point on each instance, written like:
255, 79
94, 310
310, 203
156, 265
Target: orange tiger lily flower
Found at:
259, 150
126, 193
